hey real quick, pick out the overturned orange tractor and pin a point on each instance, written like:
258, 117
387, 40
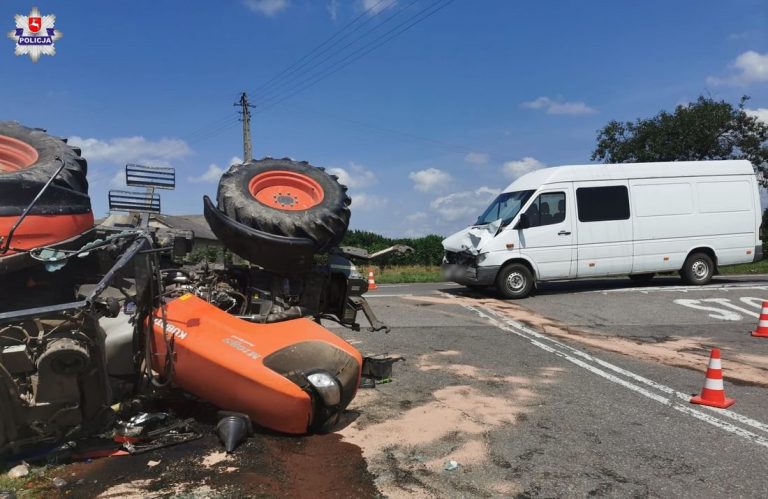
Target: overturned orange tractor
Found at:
95, 306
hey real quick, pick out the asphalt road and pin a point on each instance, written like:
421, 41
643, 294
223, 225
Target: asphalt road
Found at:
580, 390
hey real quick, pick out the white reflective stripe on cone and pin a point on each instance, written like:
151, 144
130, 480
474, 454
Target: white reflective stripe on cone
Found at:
713, 384
763, 323
715, 364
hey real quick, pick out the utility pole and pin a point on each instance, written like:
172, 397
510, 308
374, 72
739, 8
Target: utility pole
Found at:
246, 119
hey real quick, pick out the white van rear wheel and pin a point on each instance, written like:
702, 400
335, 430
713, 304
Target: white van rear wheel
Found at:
514, 281
698, 269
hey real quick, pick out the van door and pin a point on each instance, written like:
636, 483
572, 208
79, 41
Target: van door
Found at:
604, 228
548, 240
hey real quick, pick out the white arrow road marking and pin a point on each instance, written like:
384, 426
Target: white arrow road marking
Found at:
727, 303
725, 315
755, 302
668, 396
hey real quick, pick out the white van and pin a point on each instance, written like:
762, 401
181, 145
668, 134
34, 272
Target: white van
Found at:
572, 222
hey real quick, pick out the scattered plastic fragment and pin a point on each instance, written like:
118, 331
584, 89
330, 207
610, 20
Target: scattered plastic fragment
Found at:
451, 465
152, 463
19, 471
59, 483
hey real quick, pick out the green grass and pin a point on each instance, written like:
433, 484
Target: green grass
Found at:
405, 274
760, 267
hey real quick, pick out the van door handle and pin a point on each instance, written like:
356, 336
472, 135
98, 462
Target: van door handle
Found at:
563, 233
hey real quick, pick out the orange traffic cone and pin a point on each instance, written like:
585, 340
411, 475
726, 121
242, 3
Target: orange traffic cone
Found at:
762, 325
713, 393
371, 282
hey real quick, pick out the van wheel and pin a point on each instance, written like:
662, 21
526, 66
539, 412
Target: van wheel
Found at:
641, 278
698, 269
514, 281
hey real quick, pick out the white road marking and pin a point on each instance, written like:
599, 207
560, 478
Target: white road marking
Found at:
755, 302
724, 315
672, 398
376, 295
727, 303
720, 313
683, 289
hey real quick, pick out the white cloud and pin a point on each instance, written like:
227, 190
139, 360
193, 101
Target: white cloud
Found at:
333, 9
131, 149
749, 67
266, 7
375, 6
430, 179
356, 177
416, 217
514, 169
118, 180
367, 202
760, 113
214, 172
559, 106
476, 158
466, 205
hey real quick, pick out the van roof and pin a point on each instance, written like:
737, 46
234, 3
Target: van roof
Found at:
621, 171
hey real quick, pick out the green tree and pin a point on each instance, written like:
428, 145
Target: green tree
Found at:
705, 129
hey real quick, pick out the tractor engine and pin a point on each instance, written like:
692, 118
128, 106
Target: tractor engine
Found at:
53, 382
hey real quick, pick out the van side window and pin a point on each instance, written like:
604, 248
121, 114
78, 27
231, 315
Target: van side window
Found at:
547, 209
598, 204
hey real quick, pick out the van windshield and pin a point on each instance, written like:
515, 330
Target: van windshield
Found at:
504, 207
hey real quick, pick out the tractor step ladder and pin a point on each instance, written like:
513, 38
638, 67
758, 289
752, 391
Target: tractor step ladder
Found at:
148, 201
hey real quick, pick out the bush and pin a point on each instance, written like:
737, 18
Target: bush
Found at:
428, 250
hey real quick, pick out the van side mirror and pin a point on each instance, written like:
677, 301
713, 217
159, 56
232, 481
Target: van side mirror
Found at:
523, 223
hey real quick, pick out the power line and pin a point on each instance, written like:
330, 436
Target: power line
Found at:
398, 30
394, 132
307, 70
293, 67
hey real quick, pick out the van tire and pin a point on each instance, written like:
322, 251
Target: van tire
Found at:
698, 269
514, 281
641, 278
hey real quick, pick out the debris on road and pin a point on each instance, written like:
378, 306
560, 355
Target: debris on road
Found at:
451, 465
18, 471
59, 483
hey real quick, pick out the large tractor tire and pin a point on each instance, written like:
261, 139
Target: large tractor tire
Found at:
28, 156
286, 198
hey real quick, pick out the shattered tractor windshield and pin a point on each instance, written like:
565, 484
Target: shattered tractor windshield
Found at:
504, 207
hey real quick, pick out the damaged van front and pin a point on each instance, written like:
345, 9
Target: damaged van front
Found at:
469, 254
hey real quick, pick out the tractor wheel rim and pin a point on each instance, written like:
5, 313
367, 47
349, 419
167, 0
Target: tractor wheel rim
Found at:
15, 155
285, 190
515, 281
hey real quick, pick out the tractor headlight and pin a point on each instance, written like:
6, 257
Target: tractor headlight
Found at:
327, 386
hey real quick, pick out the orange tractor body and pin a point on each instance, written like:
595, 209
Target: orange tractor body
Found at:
257, 369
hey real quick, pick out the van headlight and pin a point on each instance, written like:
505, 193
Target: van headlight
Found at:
326, 386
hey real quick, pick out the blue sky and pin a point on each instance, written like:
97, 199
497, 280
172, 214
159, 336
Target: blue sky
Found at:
425, 129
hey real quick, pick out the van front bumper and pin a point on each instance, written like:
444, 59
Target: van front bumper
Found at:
469, 275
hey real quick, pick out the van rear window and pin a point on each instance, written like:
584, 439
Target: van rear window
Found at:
599, 204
